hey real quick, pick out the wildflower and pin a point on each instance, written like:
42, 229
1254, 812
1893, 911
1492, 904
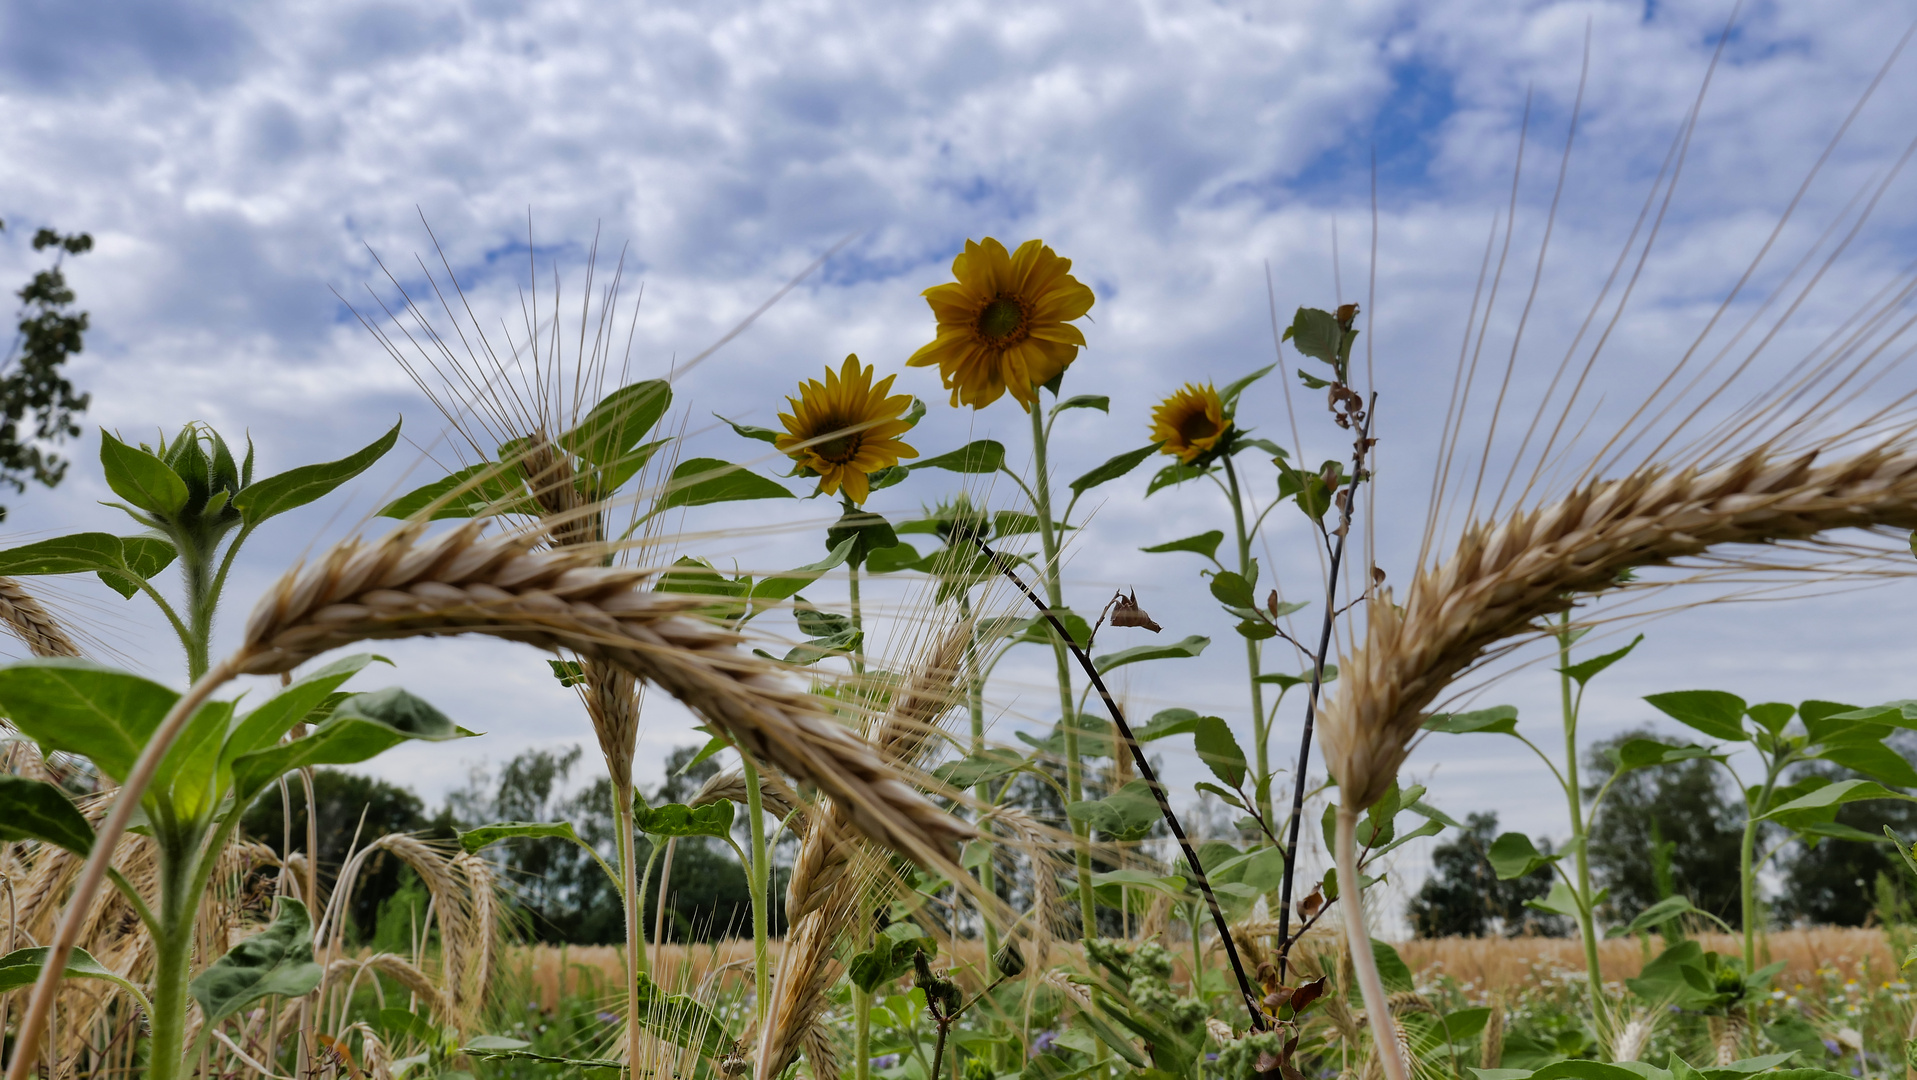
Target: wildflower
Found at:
845, 428
1043, 1041
1005, 323
1190, 423
884, 1061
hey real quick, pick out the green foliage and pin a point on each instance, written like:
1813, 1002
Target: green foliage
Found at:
276, 962
37, 402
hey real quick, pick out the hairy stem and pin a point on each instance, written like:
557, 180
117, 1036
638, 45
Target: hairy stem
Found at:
1260, 722
975, 705
632, 893
756, 880
93, 873
1358, 942
1574, 798
1055, 599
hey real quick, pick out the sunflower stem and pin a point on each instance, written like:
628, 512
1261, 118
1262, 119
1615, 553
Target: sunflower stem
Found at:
1054, 598
1260, 721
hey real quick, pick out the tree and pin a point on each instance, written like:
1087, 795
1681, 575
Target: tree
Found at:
562, 890
1683, 806
1464, 898
349, 804
31, 382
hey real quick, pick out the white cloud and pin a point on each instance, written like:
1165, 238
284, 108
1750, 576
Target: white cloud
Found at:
232, 175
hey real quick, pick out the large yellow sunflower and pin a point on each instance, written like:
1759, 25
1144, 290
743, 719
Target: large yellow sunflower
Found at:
1005, 323
845, 428
1190, 422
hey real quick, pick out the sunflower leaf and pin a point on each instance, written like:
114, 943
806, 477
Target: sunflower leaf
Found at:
699, 481
764, 435
1112, 469
1229, 395
982, 456
1084, 401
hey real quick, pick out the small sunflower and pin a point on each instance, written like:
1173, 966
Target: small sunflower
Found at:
1005, 323
1190, 423
845, 428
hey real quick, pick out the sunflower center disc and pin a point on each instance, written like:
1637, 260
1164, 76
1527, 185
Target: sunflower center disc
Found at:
839, 449
1001, 320
1197, 426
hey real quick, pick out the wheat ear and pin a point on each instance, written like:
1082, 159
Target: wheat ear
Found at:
1505, 576
730, 786
32, 623
459, 583
831, 869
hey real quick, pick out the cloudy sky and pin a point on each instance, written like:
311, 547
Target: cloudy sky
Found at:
238, 165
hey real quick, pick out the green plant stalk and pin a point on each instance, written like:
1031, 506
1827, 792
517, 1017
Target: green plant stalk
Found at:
1055, 597
195, 567
1574, 799
756, 880
1364, 964
1260, 721
975, 703
172, 967
861, 1001
1746, 865
632, 894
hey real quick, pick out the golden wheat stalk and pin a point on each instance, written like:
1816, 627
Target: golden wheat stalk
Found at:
458, 583
832, 869
32, 623
730, 786
1505, 576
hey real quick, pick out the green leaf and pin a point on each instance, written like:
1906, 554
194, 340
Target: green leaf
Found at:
1191, 646
474, 840
1174, 474
982, 456
144, 558
1232, 590
462, 494
275, 961
677, 819
140, 478
1316, 334
1224, 795
762, 434
1645, 753
1313, 382
867, 531
1713, 712
1038, 629
1498, 720
681, 1020
570, 673
613, 427
1126, 814
1219, 750
1171, 885
36, 810
901, 557
1205, 544
1113, 1038
1017, 523
1112, 469
20, 969
361, 728
1665, 910
293, 705
1874, 760
1229, 395
1833, 795
985, 766
100, 713
1559, 901
1084, 401
1286, 682
495, 1048
1585, 670
1580, 1069
1168, 722
99, 552
276, 495
701, 481
783, 586
1772, 716
1513, 856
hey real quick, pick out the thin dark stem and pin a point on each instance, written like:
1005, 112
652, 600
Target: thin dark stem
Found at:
1258, 1021
1311, 702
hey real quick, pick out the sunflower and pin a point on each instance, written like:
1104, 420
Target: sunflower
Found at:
1190, 423
845, 428
1005, 323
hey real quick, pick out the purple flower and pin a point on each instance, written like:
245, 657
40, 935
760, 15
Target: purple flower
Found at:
1043, 1042
1831, 1045
884, 1061
607, 1018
